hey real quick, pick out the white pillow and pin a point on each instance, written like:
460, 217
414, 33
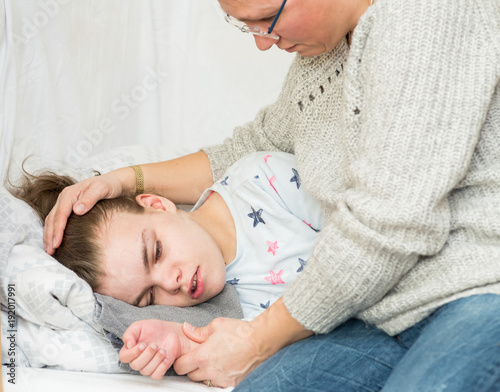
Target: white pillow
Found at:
47, 310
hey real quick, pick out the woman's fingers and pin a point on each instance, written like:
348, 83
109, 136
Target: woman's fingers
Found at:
196, 334
227, 352
78, 198
55, 222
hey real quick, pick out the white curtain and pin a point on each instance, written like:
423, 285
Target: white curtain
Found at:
79, 77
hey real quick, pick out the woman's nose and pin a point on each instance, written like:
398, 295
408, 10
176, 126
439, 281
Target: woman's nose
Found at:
264, 43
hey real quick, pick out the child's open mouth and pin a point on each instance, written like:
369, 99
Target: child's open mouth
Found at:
197, 285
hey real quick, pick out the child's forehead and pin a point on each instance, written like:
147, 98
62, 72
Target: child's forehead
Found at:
123, 248
122, 228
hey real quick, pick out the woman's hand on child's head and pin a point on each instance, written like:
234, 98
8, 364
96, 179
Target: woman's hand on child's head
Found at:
78, 198
152, 346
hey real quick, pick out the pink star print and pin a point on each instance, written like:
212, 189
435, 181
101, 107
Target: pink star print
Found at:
272, 247
271, 182
267, 157
275, 278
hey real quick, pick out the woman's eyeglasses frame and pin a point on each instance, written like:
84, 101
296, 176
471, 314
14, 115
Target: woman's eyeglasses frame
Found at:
255, 30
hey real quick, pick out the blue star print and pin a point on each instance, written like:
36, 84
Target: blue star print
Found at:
232, 281
266, 305
224, 181
295, 178
256, 216
302, 264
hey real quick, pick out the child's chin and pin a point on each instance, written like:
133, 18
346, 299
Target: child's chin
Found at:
207, 297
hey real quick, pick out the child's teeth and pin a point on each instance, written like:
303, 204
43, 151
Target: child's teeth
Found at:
194, 282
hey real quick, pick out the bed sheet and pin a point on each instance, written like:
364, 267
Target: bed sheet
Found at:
46, 380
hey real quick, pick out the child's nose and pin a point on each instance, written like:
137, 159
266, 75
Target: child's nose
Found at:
170, 280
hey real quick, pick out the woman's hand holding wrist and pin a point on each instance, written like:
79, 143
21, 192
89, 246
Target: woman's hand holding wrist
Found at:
230, 349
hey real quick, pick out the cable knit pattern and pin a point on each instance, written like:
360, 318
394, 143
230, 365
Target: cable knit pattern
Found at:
399, 137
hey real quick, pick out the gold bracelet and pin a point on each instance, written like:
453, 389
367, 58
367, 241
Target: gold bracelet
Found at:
139, 179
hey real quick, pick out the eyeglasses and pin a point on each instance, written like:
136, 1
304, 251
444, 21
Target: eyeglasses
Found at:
255, 30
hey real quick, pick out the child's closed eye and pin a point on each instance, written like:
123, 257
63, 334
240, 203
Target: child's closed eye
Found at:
151, 296
159, 250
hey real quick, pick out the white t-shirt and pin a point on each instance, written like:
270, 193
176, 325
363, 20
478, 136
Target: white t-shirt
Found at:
277, 223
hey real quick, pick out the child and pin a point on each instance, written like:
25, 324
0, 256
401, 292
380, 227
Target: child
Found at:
276, 223
255, 228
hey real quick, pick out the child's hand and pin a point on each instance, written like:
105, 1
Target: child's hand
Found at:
148, 360
152, 346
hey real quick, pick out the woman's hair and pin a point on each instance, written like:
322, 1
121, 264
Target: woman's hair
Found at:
79, 250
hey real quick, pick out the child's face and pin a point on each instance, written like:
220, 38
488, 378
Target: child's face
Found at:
161, 258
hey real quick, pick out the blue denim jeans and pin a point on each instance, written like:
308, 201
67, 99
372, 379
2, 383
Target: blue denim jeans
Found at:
457, 348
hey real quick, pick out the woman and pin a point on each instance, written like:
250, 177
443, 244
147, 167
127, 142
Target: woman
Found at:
396, 133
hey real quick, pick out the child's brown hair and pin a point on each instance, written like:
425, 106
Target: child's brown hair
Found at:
79, 250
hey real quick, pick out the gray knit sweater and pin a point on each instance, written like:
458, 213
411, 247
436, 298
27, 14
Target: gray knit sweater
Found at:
399, 137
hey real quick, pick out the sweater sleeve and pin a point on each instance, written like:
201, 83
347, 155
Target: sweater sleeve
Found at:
419, 82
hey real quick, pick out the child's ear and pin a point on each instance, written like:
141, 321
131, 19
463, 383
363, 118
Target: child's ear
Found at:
155, 201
